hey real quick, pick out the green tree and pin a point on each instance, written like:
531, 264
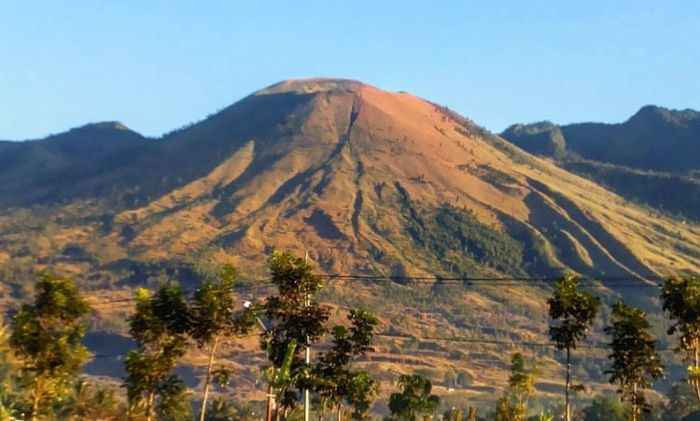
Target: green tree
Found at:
361, 394
635, 362
6, 411
221, 410
227, 410
414, 398
215, 318
90, 402
681, 300
505, 410
294, 318
573, 312
47, 337
521, 383
159, 327
604, 408
333, 372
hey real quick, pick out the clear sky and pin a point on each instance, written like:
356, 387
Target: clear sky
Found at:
156, 65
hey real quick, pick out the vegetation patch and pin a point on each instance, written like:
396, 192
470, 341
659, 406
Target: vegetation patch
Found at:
458, 240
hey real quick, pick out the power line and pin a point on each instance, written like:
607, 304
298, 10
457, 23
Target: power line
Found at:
433, 281
483, 341
501, 278
477, 341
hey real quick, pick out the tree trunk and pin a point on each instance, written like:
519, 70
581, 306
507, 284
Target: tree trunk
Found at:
268, 412
567, 406
36, 399
149, 406
634, 402
340, 413
696, 381
322, 412
207, 380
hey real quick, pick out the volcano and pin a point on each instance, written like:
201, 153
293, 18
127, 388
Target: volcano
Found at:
366, 180
371, 183
386, 183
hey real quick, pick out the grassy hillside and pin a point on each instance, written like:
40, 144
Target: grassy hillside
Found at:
676, 194
649, 159
56, 168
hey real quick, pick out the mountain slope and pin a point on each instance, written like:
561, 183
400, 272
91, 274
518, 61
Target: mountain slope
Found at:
384, 177
652, 158
370, 183
655, 139
46, 169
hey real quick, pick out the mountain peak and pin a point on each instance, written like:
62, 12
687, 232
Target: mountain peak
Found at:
647, 112
313, 85
103, 131
650, 113
104, 125
529, 129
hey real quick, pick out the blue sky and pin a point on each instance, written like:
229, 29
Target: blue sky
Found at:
157, 65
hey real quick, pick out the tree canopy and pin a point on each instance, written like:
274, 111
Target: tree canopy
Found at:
47, 337
635, 361
414, 398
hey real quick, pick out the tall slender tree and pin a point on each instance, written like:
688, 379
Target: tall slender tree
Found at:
294, 317
572, 312
635, 361
47, 336
333, 373
681, 300
361, 394
512, 406
522, 385
159, 326
505, 410
216, 316
9, 369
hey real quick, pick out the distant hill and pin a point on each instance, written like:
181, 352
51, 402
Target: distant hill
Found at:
655, 138
58, 166
652, 158
371, 183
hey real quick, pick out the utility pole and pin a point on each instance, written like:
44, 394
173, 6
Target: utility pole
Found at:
568, 383
307, 357
270, 400
270, 390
